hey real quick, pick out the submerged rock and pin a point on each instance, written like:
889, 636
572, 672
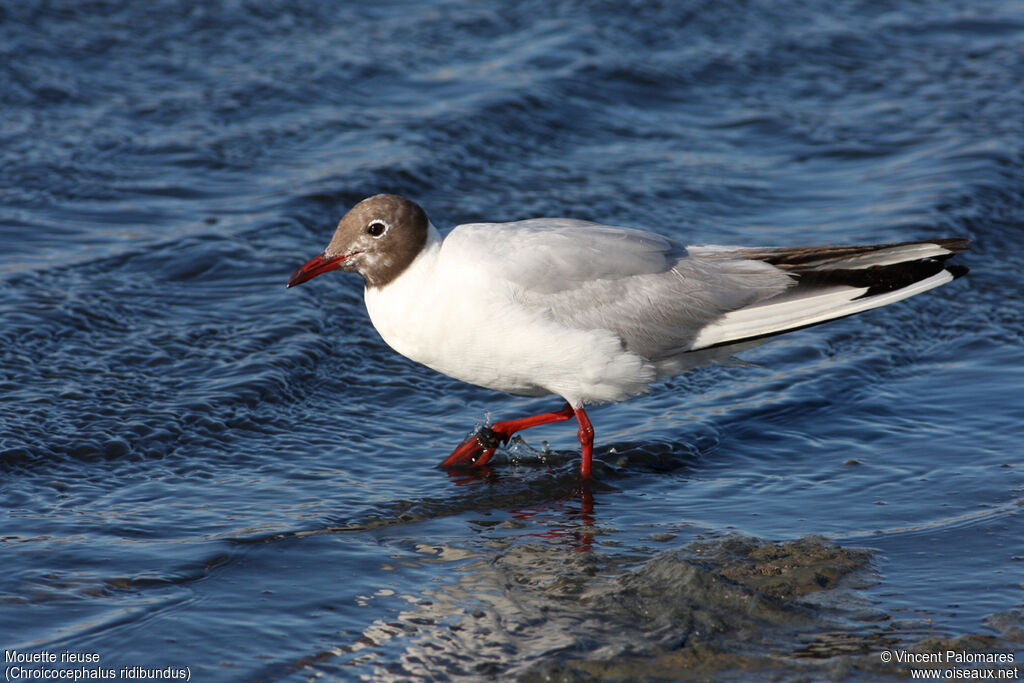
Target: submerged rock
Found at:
716, 610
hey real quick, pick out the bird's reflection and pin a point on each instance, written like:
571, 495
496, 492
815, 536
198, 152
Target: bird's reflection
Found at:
577, 502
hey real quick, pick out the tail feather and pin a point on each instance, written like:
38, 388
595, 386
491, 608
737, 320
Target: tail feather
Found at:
833, 282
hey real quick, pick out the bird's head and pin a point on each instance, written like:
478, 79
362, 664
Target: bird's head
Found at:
378, 238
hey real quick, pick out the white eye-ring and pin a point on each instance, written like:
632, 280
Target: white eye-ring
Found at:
377, 228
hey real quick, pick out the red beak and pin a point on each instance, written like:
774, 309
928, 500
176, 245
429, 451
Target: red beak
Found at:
316, 266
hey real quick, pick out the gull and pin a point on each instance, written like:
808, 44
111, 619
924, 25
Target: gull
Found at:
595, 313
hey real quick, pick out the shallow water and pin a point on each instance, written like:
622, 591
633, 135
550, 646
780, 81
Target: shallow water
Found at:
203, 469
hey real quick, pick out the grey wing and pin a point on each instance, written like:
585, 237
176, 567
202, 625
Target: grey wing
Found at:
644, 287
716, 300
659, 315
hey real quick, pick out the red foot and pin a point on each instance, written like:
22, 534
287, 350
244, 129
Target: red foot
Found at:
477, 450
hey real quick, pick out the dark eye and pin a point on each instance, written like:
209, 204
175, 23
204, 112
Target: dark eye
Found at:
376, 229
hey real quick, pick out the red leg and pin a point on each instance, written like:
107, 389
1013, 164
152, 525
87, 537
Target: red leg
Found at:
478, 449
586, 437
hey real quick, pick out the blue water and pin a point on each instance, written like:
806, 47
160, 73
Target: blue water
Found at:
202, 469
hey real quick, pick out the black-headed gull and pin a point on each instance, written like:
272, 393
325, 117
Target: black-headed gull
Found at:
595, 313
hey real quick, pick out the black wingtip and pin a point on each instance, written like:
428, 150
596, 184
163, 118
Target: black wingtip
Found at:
957, 270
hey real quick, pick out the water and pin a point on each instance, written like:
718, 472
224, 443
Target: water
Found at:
203, 469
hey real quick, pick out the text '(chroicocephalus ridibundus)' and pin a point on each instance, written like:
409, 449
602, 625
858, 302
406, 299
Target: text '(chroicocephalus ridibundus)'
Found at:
595, 313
